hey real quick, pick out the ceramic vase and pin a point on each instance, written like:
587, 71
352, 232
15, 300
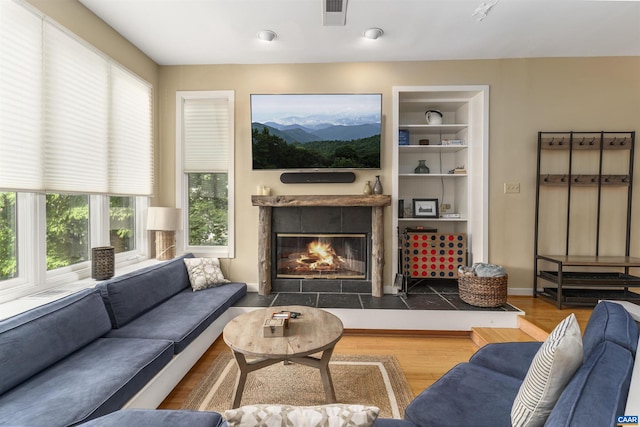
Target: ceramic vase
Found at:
422, 167
367, 188
377, 186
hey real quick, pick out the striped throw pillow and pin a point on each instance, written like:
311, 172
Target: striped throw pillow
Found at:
551, 369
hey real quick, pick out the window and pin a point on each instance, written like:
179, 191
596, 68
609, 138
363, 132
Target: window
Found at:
204, 165
122, 224
75, 130
208, 209
67, 230
8, 240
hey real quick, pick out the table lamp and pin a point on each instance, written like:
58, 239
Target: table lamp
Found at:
165, 222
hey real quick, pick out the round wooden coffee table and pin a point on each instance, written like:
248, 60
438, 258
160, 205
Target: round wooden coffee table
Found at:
312, 332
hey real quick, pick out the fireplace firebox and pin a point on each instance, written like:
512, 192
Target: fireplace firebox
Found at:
321, 256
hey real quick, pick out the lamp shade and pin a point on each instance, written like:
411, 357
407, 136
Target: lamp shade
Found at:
167, 219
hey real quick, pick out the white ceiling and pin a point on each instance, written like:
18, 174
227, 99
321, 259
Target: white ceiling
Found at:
175, 32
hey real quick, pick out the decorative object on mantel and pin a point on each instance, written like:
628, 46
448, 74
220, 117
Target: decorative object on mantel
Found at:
377, 186
263, 190
165, 222
367, 188
102, 262
422, 167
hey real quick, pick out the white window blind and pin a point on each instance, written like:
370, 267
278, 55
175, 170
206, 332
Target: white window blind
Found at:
20, 98
131, 144
76, 115
71, 120
207, 135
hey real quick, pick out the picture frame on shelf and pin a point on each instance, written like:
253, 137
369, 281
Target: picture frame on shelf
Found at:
425, 208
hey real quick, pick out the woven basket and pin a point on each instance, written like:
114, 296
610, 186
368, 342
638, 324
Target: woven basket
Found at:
102, 262
483, 291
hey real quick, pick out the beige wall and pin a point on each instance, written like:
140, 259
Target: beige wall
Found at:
526, 96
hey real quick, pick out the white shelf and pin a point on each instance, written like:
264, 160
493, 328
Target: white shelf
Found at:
434, 128
432, 175
435, 148
432, 219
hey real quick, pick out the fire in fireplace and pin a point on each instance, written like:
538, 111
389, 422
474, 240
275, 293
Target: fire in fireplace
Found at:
321, 256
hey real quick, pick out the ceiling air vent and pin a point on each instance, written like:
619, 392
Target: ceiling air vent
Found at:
334, 12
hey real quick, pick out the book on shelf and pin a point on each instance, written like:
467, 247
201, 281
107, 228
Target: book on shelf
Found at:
420, 229
452, 142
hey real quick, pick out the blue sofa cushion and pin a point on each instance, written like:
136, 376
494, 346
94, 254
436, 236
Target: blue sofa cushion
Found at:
598, 391
184, 316
509, 358
468, 395
94, 381
128, 296
610, 322
157, 418
38, 338
392, 422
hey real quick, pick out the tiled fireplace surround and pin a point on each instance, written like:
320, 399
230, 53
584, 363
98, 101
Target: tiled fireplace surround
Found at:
321, 220
320, 214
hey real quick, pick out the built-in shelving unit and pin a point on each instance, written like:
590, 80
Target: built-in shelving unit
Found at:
460, 142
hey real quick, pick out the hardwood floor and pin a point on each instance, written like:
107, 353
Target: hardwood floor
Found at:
423, 358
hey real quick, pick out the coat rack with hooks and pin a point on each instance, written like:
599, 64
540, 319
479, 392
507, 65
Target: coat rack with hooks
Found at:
572, 276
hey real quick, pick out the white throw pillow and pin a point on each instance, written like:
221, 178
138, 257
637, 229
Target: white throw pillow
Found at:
337, 415
204, 273
551, 369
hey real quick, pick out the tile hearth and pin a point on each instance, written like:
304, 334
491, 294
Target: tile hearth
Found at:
423, 295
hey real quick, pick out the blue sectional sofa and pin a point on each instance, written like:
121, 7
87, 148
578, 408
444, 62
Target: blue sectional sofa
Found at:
126, 343
481, 392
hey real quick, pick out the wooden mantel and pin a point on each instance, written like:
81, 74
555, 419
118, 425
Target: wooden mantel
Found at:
378, 200
266, 203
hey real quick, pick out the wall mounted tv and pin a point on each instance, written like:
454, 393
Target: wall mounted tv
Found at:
316, 131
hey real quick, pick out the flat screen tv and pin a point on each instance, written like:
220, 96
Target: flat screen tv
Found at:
316, 132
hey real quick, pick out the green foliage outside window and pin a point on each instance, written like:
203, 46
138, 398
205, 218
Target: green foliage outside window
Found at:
122, 223
208, 209
67, 230
8, 262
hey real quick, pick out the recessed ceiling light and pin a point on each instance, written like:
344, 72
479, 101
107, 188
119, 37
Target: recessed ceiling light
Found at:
266, 35
372, 33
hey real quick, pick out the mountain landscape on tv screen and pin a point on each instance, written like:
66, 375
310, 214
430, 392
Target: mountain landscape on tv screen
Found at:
317, 141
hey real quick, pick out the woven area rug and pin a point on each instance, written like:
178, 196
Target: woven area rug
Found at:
357, 379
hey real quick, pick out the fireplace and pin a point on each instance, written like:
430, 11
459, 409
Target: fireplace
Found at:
321, 256
322, 215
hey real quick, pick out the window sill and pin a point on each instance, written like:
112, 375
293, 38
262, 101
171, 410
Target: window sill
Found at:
28, 302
